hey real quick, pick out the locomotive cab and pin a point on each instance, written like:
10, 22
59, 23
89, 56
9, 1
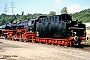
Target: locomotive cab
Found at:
77, 30
32, 25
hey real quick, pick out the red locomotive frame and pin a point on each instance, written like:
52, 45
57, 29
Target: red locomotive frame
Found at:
24, 35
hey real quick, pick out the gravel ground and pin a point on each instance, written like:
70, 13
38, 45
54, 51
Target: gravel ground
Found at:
15, 50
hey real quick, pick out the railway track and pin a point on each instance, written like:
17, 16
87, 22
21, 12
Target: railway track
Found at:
85, 47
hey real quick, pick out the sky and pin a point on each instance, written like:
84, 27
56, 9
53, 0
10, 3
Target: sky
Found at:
43, 6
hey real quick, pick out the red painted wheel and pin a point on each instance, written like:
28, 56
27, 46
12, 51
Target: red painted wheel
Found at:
25, 40
33, 41
20, 40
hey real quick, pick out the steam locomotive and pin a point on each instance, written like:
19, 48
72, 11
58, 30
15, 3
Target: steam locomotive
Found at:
58, 29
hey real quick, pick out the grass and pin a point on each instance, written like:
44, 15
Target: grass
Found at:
88, 31
88, 41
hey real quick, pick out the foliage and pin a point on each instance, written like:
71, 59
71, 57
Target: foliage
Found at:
52, 13
83, 16
8, 18
64, 10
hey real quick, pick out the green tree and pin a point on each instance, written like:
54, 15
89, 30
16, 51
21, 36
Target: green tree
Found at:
22, 12
52, 13
83, 15
64, 10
